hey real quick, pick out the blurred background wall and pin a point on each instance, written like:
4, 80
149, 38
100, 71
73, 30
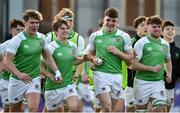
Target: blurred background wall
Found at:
88, 12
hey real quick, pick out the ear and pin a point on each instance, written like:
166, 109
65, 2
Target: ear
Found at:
117, 22
162, 33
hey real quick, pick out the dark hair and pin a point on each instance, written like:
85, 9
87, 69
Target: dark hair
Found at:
168, 23
14, 23
138, 20
58, 23
30, 13
100, 23
111, 12
155, 20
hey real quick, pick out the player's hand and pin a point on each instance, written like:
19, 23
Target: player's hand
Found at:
98, 61
84, 78
112, 49
168, 79
58, 77
24, 77
156, 68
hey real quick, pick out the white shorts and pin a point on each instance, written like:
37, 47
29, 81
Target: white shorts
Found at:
108, 82
4, 91
143, 90
129, 97
97, 103
85, 92
54, 98
18, 89
169, 96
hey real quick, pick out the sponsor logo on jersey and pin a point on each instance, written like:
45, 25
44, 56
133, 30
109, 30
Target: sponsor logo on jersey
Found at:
149, 49
59, 54
99, 41
26, 46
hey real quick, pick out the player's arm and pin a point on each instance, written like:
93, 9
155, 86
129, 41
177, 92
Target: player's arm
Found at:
168, 69
126, 56
45, 73
1, 63
136, 65
8, 60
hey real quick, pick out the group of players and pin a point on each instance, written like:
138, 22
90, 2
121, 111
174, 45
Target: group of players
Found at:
147, 62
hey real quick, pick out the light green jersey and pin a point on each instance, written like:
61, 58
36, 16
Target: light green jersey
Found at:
99, 41
5, 74
151, 52
124, 73
27, 50
63, 55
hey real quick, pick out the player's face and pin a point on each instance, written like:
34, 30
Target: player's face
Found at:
63, 31
31, 26
142, 29
169, 32
110, 24
16, 30
70, 23
155, 30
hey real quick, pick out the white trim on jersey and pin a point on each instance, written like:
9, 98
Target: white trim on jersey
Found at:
4, 47
139, 45
81, 44
16, 41
127, 40
53, 45
168, 55
90, 46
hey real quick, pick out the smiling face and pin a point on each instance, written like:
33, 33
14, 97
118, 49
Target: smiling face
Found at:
110, 24
169, 33
15, 30
142, 29
155, 30
32, 26
62, 31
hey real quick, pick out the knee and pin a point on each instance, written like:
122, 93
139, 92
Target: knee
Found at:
33, 109
73, 108
106, 107
159, 106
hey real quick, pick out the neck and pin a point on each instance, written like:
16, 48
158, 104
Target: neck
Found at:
170, 40
139, 35
154, 37
63, 40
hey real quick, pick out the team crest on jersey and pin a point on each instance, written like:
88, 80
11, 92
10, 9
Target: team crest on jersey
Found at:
164, 49
177, 55
117, 39
41, 44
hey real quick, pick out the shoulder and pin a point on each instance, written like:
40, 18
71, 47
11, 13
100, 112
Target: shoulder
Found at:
72, 44
97, 33
164, 42
122, 33
40, 35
